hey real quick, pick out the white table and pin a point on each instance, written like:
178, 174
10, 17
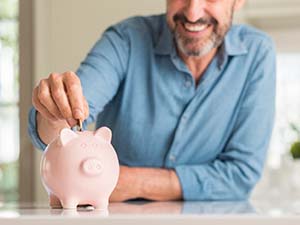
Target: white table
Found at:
143, 213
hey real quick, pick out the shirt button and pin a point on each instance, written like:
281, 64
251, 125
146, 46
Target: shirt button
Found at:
188, 83
172, 158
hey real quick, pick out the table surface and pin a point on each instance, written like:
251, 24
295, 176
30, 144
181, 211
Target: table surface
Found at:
146, 212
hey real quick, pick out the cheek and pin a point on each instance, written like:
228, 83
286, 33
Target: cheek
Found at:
173, 7
222, 14
170, 21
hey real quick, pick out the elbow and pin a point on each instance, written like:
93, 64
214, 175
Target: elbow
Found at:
245, 185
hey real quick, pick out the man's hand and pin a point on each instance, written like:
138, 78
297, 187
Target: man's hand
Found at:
148, 183
59, 102
60, 97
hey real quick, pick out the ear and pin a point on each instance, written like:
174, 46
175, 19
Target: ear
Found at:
66, 135
239, 4
105, 133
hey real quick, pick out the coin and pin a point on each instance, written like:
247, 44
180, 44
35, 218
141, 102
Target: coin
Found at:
80, 125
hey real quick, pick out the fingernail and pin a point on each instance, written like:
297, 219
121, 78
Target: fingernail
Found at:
71, 122
78, 113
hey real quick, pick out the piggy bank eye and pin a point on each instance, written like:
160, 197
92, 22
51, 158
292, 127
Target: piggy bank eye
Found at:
83, 145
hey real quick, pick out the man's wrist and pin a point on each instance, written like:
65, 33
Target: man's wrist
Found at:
44, 125
157, 184
138, 177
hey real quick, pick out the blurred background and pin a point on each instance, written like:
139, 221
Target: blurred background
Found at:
42, 36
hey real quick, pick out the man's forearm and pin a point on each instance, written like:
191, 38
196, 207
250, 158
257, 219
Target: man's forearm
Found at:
158, 184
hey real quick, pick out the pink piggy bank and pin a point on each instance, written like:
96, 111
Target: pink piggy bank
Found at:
80, 168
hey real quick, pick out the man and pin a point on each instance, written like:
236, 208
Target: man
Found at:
189, 98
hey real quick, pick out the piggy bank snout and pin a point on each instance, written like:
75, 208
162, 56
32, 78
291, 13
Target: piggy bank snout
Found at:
92, 167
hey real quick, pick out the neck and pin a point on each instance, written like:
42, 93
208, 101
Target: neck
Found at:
197, 65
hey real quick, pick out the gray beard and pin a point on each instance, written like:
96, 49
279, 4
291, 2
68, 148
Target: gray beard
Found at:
214, 41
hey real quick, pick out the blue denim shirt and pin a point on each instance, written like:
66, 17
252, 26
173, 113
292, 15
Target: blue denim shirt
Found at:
214, 135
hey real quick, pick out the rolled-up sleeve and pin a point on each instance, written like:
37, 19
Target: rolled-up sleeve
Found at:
233, 174
32, 130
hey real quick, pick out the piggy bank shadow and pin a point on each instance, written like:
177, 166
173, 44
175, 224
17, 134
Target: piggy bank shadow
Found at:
80, 211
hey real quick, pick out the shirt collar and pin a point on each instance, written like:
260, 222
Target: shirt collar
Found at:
233, 44
165, 44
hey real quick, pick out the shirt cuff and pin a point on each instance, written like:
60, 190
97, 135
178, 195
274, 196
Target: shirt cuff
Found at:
192, 188
32, 130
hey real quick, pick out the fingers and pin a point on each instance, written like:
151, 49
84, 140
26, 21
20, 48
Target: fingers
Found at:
45, 98
60, 97
39, 106
75, 95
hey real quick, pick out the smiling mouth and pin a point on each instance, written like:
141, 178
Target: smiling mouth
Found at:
194, 27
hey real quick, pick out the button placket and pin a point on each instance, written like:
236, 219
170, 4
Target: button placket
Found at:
196, 95
183, 120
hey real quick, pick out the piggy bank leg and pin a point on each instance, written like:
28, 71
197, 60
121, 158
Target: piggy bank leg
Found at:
54, 202
69, 203
101, 204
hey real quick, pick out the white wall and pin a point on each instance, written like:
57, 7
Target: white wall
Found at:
70, 28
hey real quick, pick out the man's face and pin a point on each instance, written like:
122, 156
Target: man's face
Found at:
199, 25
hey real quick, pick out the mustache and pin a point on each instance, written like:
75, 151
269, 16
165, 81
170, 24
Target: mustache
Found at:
180, 17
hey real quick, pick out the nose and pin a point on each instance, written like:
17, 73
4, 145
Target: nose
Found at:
92, 167
195, 9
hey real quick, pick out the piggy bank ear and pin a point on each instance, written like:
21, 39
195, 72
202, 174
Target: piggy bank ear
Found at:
66, 135
105, 133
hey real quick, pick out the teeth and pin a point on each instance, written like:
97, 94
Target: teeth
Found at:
194, 27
